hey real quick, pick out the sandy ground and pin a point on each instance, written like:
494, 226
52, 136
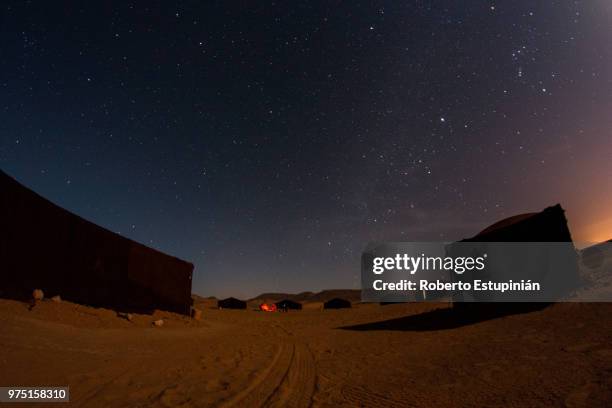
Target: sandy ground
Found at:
375, 356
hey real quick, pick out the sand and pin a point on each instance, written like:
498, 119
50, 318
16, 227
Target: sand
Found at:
374, 356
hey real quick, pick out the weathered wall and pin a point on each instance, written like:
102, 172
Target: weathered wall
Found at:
44, 246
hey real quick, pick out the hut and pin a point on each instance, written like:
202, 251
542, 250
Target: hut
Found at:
549, 225
231, 303
557, 261
337, 303
45, 246
288, 304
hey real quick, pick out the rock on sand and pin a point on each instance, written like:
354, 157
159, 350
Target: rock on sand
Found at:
38, 294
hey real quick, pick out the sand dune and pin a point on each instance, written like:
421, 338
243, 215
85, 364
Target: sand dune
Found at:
397, 355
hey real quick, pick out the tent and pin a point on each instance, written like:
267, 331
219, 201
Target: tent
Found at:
558, 272
336, 303
549, 225
231, 303
43, 246
287, 304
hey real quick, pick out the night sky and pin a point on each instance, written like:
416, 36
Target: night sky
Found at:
268, 143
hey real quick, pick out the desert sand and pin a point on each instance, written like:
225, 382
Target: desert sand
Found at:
403, 355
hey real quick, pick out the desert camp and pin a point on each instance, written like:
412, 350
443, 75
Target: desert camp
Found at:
306, 204
311, 357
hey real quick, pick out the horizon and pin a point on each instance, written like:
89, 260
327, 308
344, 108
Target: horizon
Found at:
579, 245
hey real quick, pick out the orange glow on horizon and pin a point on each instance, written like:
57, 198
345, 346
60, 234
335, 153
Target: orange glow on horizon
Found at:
595, 232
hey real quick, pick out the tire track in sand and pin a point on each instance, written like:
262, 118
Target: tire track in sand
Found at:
289, 381
298, 385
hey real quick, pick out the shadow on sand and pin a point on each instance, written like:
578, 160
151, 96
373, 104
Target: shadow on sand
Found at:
450, 318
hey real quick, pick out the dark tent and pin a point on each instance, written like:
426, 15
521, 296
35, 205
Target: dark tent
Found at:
337, 303
231, 303
287, 304
43, 246
549, 225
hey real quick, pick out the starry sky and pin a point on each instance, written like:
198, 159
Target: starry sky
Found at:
268, 143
